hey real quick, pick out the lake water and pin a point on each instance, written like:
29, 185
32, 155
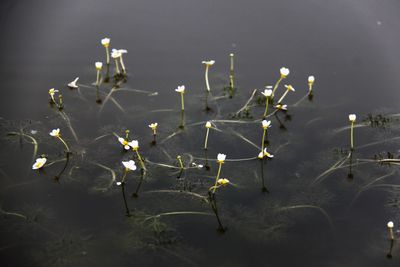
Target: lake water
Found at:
323, 206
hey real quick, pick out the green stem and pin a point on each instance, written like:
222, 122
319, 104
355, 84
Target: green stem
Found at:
276, 86
263, 140
180, 162
108, 55
116, 66
122, 64
124, 176
216, 179
98, 78
65, 144
124, 197
352, 136
182, 102
206, 78
283, 96
266, 106
140, 160
206, 141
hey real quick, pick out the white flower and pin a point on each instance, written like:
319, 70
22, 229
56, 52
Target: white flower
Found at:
223, 181
352, 117
311, 79
208, 124
39, 163
124, 143
231, 54
180, 89
208, 63
98, 65
115, 54
266, 124
105, 42
52, 91
134, 144
121, 51
265, 153
153, 126
267, 92
119, 183
55, 132
221, 158
281, 107
73, 83
129, 165
390, 224
284, 72
290, 88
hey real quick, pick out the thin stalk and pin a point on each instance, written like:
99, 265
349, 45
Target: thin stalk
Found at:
124, 197
140, 160
116, 66
136, 193
266, 106
182, 102
276, 86
206, 140
391, 234
231, 56
217, 177
231, 81
181, 126
263, 140
283, 96
263, 188
350, 174
98, 78
57, 177
213, 204
206, 78
108, 55
207, 107
352, 136
122, 64
60, 102
65, 144
389, 254
180, 162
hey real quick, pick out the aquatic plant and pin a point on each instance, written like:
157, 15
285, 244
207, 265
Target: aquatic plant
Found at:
106, 43
208, 126
181, 90
265, 125
56, 133
352, 119
120, 52
129, 166
153, 126
99, 66
267, 93
390, 226
284, 72
311, 80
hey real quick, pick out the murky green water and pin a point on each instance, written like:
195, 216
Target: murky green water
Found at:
322, 206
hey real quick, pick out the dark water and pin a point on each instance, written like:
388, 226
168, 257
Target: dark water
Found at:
306, 219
